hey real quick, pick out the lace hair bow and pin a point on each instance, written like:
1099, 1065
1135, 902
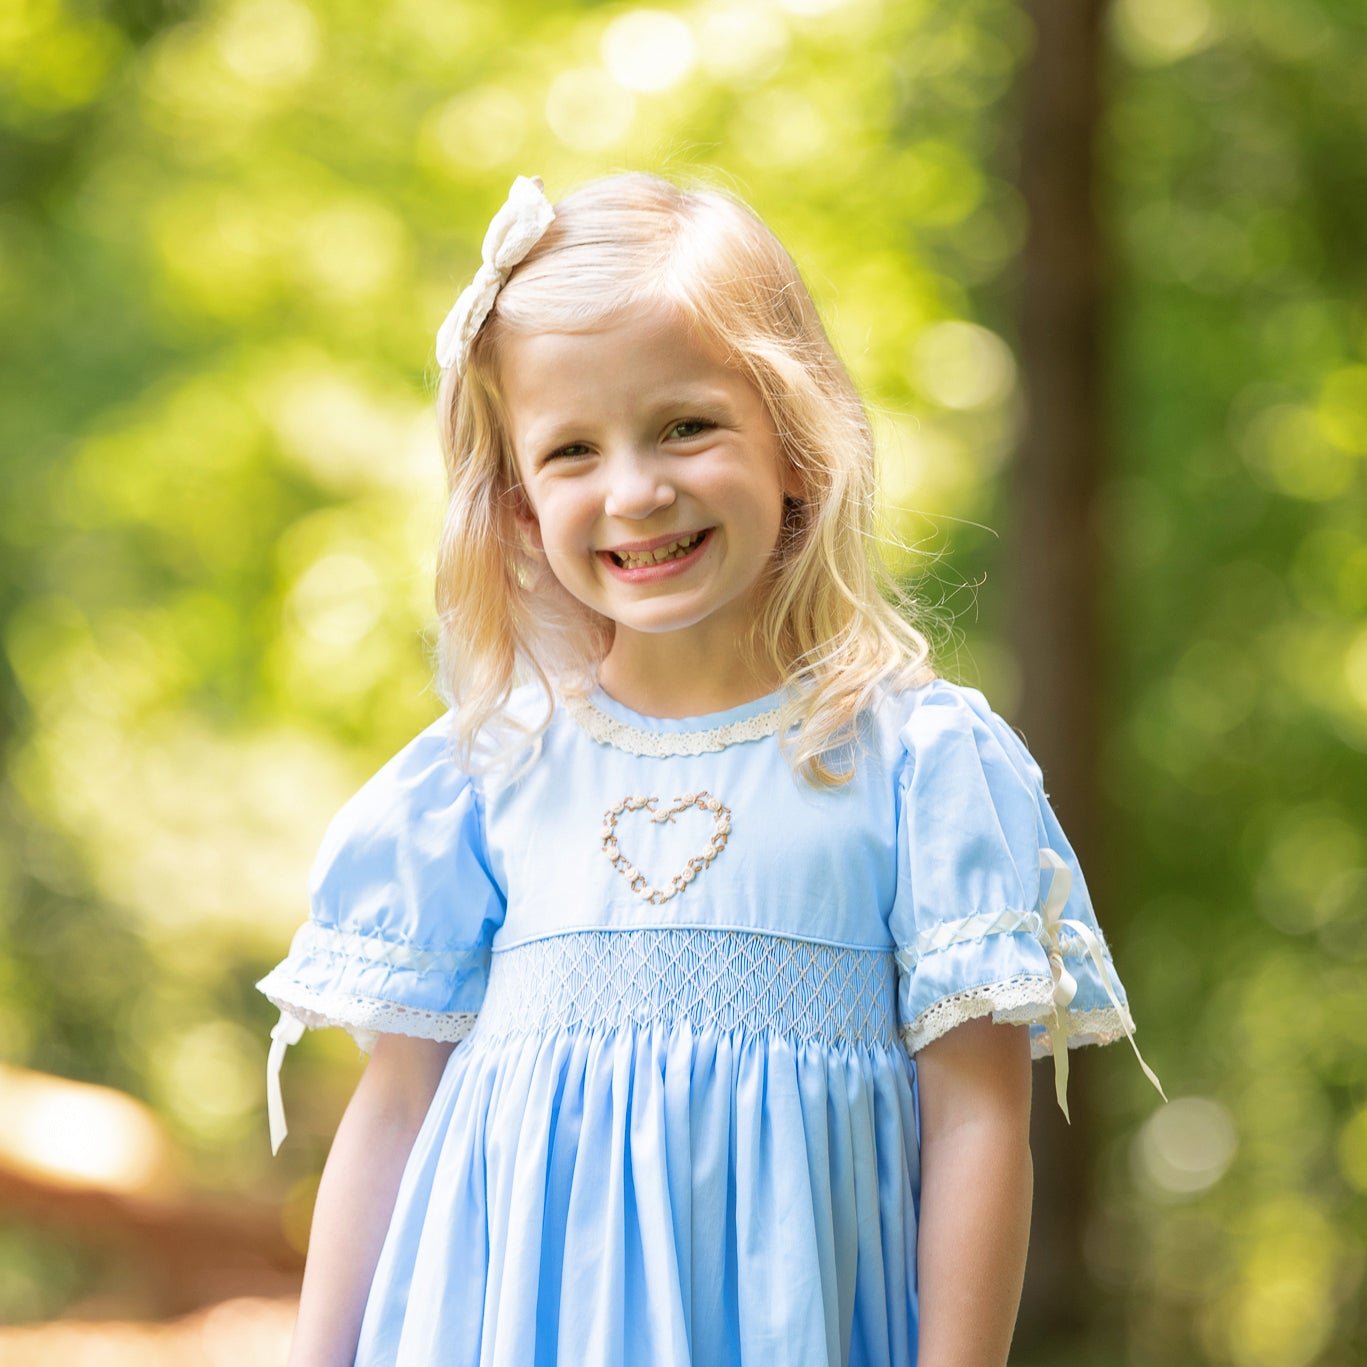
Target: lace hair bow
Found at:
514, 231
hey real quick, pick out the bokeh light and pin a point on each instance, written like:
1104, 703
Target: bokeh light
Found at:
240, 1329
477, 130
962, 365
268, 42
648, 50
1155, 31
741, 43
588, 111
1186, 1147
79, 1134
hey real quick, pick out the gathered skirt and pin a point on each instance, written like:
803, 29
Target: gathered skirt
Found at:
666, 1148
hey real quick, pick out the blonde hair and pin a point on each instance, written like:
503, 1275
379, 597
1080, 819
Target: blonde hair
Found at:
835, 624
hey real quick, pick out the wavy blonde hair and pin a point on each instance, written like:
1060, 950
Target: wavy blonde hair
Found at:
835, 625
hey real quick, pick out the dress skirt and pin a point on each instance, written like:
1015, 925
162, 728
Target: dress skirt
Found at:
663, 1147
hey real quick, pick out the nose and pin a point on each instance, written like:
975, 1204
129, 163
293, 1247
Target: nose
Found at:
638, 486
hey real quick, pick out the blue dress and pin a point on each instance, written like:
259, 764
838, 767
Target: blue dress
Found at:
681, 1123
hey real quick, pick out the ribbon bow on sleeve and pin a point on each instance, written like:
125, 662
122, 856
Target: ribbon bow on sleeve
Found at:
1065, 985
286, 1031
514, 231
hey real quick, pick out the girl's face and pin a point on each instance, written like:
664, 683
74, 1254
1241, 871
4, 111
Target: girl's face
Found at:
652, 475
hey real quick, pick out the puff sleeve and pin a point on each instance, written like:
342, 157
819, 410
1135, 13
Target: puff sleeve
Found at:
991, 912
402, 911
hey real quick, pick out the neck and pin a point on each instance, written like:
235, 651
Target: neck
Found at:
660, 676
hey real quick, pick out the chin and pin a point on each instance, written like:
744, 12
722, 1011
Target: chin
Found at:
658, 626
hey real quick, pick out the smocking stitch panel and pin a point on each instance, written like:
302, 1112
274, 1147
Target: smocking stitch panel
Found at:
727, 979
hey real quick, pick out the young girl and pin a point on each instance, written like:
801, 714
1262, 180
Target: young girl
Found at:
704, 944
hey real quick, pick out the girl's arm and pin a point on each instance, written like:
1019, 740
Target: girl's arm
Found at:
977, 1185
356, 1195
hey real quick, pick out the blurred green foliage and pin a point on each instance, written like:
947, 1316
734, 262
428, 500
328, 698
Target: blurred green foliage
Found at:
228, 232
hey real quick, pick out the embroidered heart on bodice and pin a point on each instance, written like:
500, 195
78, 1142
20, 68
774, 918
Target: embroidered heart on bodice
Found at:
638, 882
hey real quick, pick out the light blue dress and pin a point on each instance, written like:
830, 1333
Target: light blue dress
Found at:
681, 1123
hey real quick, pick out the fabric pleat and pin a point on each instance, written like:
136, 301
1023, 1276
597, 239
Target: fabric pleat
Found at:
619, 1197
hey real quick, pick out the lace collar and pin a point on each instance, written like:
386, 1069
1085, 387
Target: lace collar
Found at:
609, 722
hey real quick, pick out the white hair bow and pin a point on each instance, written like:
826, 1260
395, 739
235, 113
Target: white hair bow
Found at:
514, 231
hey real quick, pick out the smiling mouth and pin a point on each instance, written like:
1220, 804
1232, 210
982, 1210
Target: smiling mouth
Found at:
676, 550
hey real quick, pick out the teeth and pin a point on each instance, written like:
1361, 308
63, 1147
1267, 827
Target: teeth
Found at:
635, 559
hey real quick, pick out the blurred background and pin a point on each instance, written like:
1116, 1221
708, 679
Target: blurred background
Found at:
1099, 269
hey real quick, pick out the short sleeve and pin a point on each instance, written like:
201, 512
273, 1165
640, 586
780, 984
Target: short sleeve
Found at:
402, 912
992, 914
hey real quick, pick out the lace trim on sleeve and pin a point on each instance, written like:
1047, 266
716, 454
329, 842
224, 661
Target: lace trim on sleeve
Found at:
364, 1018
1027, 999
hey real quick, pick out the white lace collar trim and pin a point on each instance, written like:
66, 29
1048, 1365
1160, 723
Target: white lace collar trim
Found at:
636, 740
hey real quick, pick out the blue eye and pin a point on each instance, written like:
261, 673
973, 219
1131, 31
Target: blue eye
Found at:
573, 449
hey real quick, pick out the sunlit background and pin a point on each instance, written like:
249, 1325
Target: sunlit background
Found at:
228, 234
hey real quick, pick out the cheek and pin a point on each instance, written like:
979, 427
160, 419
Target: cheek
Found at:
562, 518
766, 500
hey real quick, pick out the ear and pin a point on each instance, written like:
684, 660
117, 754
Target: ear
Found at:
525, 518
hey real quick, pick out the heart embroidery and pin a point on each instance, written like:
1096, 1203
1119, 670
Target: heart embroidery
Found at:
637, 881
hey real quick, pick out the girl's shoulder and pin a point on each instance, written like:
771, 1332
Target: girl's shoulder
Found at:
418, 778
949, 725
422, 796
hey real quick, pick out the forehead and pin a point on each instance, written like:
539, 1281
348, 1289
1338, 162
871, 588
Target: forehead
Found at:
556, 376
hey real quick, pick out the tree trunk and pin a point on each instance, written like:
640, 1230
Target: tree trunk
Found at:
1054, 571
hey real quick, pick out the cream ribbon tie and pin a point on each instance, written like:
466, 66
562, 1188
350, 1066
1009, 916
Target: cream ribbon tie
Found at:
286, 1031
1065, 985
515, 230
